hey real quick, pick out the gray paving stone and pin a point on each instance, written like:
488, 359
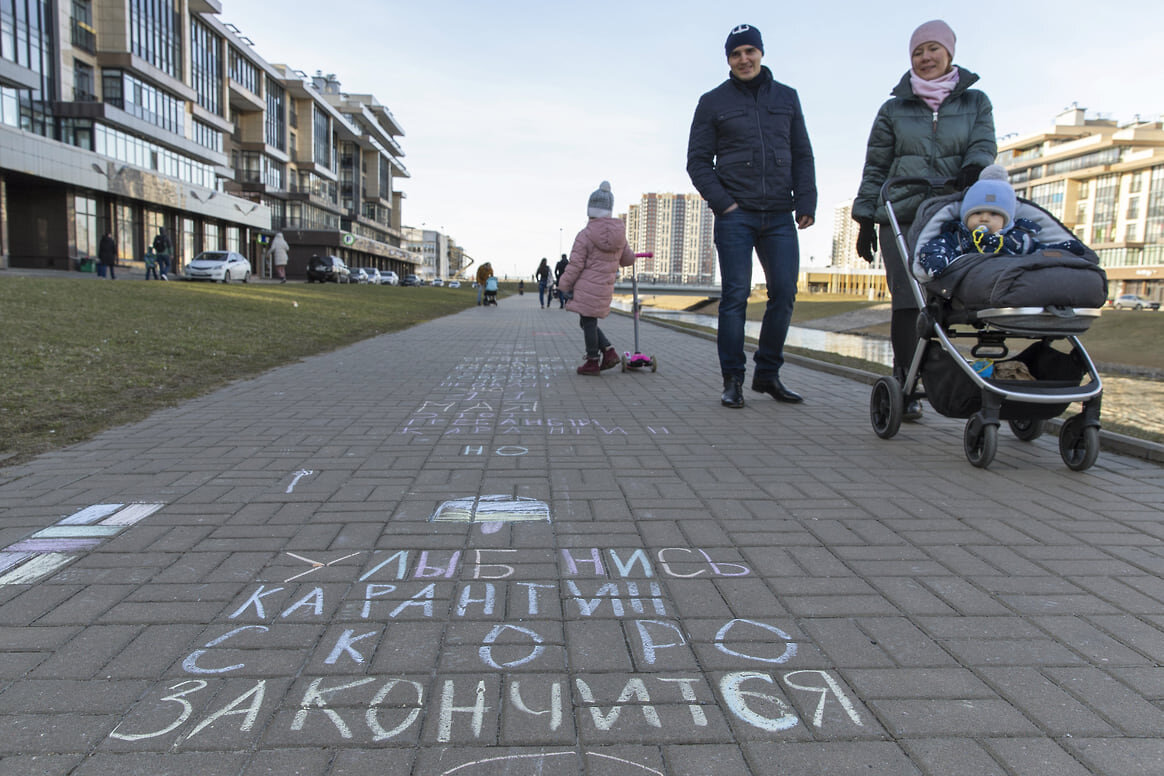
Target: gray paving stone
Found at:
1007, 621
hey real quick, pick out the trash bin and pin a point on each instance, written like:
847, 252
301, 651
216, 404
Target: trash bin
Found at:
87, 265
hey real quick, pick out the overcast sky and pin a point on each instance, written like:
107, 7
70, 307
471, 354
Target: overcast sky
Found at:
514, 110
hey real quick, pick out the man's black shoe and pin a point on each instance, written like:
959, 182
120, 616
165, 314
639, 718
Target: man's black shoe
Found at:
912, 412
776, 390
733, 392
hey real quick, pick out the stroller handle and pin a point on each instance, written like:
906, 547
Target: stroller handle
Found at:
645, 255
932, 183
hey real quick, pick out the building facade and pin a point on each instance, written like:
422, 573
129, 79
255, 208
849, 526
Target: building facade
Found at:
431, 252
129, 116
679, 230
1105, 182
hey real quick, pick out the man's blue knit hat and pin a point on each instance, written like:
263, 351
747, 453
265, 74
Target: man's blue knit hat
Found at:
993, 193
743, 35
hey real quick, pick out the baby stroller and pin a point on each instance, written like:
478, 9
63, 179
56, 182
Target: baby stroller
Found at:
490, 295
1046, 298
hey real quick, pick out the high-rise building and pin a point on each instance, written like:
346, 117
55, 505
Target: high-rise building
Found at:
678, 230
844, 248
129, 116
1105, 182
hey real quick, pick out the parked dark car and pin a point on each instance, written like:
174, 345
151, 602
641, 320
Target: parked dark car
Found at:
410, 280
327, 269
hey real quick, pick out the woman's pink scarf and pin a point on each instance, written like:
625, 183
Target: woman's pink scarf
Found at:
933, 92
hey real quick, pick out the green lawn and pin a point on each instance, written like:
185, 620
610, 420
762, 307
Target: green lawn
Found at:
82, 355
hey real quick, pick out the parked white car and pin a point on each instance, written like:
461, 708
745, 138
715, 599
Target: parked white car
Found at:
221, 266
372, 276
389, 278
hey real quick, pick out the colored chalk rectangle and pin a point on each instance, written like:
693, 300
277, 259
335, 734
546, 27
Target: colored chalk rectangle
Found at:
9, 560
54, 545
90, 514
35, 569
78, 532
132, 513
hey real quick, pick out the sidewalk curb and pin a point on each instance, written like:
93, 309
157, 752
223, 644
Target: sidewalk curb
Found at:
1109, 441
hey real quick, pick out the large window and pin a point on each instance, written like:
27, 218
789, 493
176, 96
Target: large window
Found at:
206, 66
126, 231
27, 38
276, 129
155, 34
84, 36
127, 148
244, 72
84, 86
144, 100
321, 131
1049, 196
206, 135
85, 222
1103, 217
1154, 229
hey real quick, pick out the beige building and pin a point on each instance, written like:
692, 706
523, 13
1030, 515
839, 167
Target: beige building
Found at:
1105, 182
149, 115
678, 229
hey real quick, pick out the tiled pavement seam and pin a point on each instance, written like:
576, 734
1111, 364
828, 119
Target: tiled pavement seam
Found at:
291, 608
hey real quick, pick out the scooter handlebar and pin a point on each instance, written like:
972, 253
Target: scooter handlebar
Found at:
645, 255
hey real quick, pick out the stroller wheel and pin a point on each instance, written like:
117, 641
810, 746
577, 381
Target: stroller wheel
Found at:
1078, 444
886, 407
980, 441
1026, 429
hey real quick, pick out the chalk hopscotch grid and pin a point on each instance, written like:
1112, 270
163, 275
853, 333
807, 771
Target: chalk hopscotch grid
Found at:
30, 560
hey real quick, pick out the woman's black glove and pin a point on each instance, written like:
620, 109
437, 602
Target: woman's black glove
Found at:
866, 239
967, 176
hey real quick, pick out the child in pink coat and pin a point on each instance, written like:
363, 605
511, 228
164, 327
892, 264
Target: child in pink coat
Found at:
599, 250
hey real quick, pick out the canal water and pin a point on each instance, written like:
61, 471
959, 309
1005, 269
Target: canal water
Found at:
872, 349
1129, 400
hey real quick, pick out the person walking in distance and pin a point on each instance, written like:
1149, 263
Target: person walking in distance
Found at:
484, 272
164, 250
933, 126
277, 251
750, 157
542, 276
559, 268
107, 254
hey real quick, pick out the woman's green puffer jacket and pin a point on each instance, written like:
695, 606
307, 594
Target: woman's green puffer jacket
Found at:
908, 139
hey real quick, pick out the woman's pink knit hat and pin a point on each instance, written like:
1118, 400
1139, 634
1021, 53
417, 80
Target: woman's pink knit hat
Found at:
937, 31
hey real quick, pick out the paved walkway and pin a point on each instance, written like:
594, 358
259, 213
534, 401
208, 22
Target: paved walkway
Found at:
442, 552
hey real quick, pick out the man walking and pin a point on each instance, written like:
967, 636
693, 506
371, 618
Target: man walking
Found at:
164, 250
749, 156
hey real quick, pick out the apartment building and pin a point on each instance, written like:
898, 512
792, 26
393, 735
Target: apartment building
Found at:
431, 252
679, 230
133, 115
1105, 182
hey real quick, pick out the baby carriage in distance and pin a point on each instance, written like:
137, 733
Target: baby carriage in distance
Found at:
490, 295
1043, 300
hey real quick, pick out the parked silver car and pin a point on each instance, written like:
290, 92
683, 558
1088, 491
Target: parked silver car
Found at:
1133, 302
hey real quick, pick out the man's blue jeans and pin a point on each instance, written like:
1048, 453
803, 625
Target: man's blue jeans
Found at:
773, 236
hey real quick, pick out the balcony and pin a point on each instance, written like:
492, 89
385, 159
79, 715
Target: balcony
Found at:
84, 37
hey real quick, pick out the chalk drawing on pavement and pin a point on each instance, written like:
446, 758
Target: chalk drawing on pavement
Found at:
539, 760
316, 565
47, 551
492, 511
298, 476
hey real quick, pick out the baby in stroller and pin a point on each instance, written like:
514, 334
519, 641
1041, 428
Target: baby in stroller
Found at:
987, 225
1045, 290
490, 291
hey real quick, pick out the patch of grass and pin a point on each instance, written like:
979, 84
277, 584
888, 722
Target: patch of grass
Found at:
83, 355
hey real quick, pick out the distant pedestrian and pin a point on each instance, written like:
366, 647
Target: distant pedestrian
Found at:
107, 254
749, 156
151, 263
484, 272
542, 275
277, 251
521, 287
559, 268
164, 249
599, 250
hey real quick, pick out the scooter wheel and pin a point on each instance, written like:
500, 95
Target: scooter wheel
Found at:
654, 364
622, 360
